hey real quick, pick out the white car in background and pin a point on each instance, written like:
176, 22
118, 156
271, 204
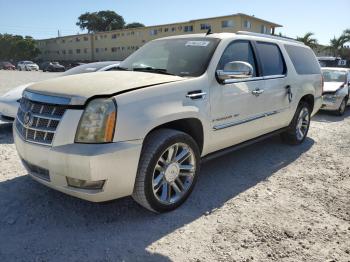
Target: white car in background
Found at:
9, 102
336, 89
27, 66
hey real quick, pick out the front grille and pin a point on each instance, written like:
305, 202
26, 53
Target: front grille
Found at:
37, 122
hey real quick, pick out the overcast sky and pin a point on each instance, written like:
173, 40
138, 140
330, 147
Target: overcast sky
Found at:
43, 18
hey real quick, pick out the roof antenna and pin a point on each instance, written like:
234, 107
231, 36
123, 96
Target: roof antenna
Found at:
209, 32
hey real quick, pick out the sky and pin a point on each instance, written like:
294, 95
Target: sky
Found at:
43, 18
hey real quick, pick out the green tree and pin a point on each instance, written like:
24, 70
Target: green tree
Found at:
134, 25
100, 21
308, 40
337, 44
15, 47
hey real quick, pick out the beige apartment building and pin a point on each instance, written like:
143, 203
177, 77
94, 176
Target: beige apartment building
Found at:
119, 44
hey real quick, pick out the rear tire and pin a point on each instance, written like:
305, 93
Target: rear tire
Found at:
299, 126
168, 170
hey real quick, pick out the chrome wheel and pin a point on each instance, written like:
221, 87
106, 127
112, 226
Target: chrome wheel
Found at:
174, 173
302, 124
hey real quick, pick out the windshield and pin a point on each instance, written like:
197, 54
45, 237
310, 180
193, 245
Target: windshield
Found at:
88, 68
182, 57
334, 76
28, 62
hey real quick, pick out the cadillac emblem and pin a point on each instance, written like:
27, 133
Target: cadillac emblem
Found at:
27, 119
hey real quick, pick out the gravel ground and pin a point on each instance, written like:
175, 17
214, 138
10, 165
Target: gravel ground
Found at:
267, 202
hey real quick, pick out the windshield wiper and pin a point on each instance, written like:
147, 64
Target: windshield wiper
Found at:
121, 68
153, 70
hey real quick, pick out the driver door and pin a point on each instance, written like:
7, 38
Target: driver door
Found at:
237, 107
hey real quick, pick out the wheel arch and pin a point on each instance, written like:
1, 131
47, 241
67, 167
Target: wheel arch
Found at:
310, 100
191, 126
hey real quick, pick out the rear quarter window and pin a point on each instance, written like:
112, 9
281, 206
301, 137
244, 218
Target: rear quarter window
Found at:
303, 59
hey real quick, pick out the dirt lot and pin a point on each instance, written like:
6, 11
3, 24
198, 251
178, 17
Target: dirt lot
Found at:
267, 202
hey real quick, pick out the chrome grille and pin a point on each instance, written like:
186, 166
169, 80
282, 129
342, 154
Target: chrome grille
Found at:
37, 122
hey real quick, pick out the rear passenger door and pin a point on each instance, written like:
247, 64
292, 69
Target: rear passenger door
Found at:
277, 89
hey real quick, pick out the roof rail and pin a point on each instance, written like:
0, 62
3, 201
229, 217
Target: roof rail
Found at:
283, 38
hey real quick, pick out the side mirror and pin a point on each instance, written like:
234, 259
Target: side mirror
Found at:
234, 71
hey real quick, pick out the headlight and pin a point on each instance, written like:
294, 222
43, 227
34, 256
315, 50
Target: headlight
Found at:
97, 123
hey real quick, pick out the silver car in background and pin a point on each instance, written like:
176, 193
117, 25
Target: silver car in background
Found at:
336, 89
9, 102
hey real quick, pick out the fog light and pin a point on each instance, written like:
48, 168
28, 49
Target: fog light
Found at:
84, 184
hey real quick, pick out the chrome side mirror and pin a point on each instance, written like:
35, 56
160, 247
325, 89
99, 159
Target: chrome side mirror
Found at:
234, 71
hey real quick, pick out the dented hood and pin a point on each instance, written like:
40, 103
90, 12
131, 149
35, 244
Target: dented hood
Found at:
84, 86
332, 86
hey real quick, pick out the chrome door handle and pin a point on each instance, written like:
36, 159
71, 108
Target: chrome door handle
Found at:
257, 92
196, 95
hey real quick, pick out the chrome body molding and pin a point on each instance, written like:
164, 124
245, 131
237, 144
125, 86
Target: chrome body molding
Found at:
233, 81
240, 122
53, 99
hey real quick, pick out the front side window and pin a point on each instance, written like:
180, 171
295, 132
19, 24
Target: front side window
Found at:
238, 51
303, 59
271, 59
183, 57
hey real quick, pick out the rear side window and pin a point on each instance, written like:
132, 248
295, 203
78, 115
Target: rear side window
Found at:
271, 59
303, 59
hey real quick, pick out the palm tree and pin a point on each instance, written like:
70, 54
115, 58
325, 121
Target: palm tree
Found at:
346, 34
337, 44
308, 40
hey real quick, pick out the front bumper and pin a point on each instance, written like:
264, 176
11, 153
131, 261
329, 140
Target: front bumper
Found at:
116, 163
9, 108
331, 103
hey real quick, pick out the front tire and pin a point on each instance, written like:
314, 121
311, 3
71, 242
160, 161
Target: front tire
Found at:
342, 107
168, 170
299, 126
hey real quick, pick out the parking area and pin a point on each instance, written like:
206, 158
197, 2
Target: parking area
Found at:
266, 202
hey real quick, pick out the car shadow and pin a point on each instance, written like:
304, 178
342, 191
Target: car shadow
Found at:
6, 136
37, 222
329, 116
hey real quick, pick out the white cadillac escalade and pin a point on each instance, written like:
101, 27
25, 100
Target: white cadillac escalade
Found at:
143, 129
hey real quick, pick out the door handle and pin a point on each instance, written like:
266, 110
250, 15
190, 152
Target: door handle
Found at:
196, 94
289, 93
257, 92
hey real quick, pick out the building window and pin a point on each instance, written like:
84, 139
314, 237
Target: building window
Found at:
188, 28
247, 24
77, 39
173, 29
86, 38
78, 51
205, 26
85, 50
263, 29
63, 41
64, 52
153, 32
227, 24
114, 49
97, 50
180, 28
114, 36
166, 29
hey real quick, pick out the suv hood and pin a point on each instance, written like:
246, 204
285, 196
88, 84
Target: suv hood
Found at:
84, 86
332, 86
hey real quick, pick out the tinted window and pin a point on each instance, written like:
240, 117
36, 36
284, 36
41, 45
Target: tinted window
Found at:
334, 75
238, 51
303, 59
272, 62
